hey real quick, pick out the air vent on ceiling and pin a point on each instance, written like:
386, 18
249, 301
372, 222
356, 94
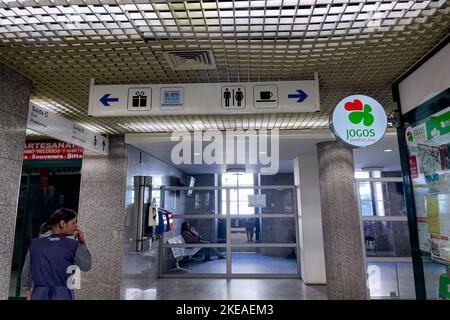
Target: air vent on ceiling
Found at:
190, 60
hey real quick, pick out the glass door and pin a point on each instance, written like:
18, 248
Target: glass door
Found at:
248, 231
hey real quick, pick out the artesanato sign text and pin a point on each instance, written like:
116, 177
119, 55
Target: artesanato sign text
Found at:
359, 121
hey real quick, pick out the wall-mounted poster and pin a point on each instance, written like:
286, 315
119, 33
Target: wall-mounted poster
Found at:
429, 164
430, 161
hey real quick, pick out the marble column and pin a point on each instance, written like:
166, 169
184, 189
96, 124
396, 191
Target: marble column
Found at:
15, 91
341, 229
101, 217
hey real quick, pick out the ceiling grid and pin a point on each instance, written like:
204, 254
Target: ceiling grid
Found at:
356, 46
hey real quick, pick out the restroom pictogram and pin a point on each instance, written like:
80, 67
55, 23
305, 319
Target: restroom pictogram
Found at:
233, 97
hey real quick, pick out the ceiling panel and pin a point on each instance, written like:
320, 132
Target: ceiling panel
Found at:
356, 46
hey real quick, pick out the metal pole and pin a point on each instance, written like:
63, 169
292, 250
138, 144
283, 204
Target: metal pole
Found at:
297, 233
160, 239
396, 276
141, 183
228, 240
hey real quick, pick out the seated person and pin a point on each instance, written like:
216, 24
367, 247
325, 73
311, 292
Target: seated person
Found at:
191, 235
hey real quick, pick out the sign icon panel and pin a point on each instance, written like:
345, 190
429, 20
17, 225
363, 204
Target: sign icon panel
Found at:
233, 97
172, 98
265, 97
140, 99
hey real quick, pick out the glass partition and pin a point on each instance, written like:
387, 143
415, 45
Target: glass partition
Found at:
211, 230
256, 225
264, 230
385, 238
194, 260
257, 260
382, 198
390, 279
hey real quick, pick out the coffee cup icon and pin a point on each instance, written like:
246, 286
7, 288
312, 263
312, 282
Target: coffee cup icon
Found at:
265, 95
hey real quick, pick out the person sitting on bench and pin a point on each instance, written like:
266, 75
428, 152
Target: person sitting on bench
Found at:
191, 235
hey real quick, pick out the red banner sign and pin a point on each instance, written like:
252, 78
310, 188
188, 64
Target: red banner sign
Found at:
51, 151
413, 168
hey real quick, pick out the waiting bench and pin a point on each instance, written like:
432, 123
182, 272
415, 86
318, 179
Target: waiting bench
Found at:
181, 253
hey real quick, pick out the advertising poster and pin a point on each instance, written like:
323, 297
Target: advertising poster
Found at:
433, 215
440, 249
424, 237
413, 168
430, 161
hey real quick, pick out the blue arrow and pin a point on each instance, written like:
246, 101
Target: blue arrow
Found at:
301, 96
106, 100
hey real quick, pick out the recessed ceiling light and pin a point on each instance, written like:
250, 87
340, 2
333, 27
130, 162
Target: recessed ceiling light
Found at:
388, 150
262, 152
196, 154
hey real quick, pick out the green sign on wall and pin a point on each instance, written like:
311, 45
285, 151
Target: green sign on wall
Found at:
431, 129
438, 126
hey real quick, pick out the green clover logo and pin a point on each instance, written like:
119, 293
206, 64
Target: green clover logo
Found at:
410, 136
359, 113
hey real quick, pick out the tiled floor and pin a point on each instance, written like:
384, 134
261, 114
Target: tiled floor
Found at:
140, 281
134, 288
244, 263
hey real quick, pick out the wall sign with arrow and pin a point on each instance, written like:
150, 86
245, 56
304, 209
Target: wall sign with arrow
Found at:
300, 95
105, 100
205, 98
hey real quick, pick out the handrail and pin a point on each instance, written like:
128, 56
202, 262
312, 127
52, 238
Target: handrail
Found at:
381, 179
278, 187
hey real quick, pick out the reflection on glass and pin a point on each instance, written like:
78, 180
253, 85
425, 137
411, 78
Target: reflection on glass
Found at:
382, 199
199, 202
385, 279
263, 261
386, 239
263, 230
432, 272
280, 201
238, 198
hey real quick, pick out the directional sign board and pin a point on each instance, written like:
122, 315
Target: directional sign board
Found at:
204, 98
51, 124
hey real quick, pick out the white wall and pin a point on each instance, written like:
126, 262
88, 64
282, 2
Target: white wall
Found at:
312, 260
430, 79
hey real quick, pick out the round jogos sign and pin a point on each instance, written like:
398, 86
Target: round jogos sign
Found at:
359, 121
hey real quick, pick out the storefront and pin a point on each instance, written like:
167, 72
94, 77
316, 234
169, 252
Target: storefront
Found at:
423, 96
50, 180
